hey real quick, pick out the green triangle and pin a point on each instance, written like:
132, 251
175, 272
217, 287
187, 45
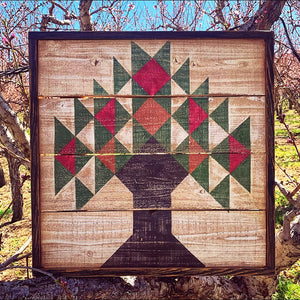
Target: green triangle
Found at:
165, 90
98, 89
163, 135
221, 154
200, 135
242, 173
183, 159
62, 176
203, 89
120, 148
221, 192
138, 58
102, 136
102, 174
82, 116
137, 89
121, 76
80, 148
81, 161
123, 155
181, 115
121, 160
242, 134
137, 103
223, 147
83, 194
183, 147
220, 115
99, 103
140, 136
63, 136
202, 102
163, 57
201, 174
222, 159
182, 76
121, 116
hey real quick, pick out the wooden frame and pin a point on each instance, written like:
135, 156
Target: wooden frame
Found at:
35, 39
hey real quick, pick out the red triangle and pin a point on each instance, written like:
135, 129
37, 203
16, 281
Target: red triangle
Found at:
196, 115
109, 147
108, 160
106, 116
69, 148
238, 153
196, 155
68, 159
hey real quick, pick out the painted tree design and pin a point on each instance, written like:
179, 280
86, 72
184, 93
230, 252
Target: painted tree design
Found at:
151, 148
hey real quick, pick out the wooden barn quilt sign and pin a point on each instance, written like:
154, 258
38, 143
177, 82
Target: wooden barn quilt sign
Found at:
152, 153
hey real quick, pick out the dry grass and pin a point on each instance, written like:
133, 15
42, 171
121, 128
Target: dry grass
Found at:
16, 234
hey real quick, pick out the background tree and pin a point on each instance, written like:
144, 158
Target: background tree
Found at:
17, 18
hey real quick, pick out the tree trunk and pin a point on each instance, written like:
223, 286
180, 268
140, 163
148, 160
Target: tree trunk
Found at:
16, 188
2, 178
84, 15
12, 122
268, 13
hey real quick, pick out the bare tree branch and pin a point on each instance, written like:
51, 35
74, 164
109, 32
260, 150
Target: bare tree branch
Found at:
9, 146
15, 71
16, 256
288, 195
46, 19
289, 40
12, 122
266, 15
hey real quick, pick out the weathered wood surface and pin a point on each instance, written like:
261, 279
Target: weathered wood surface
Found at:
239, 109
87, 239
187, 195
67, 68
153, 156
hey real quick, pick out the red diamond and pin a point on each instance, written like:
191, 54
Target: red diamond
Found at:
196, 156
151, 116
108, 160
151, 77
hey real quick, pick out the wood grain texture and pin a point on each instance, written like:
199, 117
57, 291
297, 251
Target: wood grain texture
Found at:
82, 240
34, 146
189, 194
61, 64
211, 236
270, 199
165, 272
185, 208
239, 109
91, 238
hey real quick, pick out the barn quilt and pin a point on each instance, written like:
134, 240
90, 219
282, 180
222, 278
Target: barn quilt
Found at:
153, 167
